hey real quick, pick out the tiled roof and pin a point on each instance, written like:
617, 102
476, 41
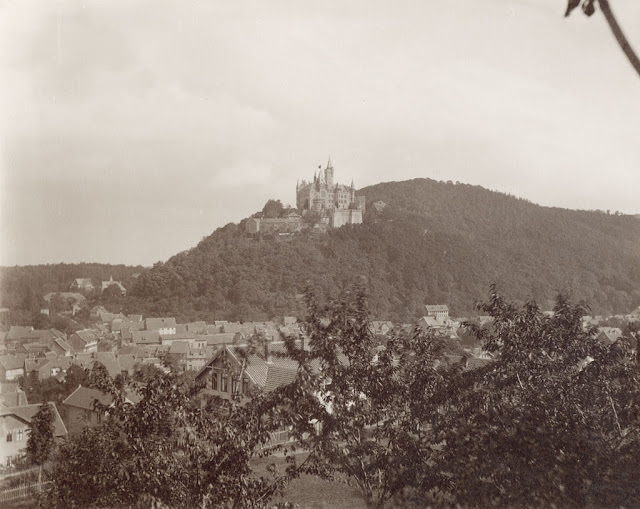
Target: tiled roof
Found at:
221, 338
12, 361
127, 362
19, 332
84, 397
435, 308
87, 335
26, 413
159, 323
277, 376
108, 359
179, 347
146, 337
13, 399
34, 364
63, 343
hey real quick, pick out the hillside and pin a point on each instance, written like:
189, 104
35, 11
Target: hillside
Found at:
433, 242
22, 287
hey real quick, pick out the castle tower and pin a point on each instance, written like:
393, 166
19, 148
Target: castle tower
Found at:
328, 174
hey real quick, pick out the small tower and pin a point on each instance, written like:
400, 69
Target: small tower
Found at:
328, 174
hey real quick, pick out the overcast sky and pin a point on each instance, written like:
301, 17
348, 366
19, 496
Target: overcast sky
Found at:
132, 129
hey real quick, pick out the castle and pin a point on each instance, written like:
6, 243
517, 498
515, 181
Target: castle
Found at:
321, 204
336, 204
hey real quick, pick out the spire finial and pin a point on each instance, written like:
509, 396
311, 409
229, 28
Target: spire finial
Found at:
329, 165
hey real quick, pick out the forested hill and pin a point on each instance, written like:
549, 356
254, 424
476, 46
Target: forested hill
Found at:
432, 242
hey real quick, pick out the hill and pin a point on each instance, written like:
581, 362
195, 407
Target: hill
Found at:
429, 242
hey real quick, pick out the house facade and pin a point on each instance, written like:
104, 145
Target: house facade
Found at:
14, 430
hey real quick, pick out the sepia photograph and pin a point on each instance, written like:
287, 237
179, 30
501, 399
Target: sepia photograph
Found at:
319, 254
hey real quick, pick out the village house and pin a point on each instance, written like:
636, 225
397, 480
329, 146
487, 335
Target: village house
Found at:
82, 284
164, 326
117, 284
14, 430
438, 311
11, 367
265, 370
84, 341
146, 337
82, 410
12, 395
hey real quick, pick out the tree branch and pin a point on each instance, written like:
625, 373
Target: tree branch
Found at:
619, 35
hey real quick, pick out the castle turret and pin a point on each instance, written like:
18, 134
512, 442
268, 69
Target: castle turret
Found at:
328, 174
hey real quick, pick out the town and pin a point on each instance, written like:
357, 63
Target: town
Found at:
34, 364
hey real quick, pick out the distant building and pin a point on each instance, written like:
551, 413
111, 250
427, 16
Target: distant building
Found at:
84, 341
14, 430
117, 284
11, 367
82, 284
336, 202
438, 311
291, 223
164, 326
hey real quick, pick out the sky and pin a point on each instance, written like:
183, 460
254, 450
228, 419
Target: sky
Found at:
130, 130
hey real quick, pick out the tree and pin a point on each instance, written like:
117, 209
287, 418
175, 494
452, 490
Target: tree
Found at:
356, 404
273, 208
166, 450
551, 422
41, 441
100, 379
75, 376
588, 7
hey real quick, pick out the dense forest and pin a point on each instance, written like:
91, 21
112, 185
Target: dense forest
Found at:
422, 242
431, 242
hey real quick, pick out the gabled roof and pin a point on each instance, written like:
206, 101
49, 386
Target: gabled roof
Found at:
159, 323
11, 362
220, 338
264, 374
437, 308
17, 332
63, 344
25, 413
179, 347
85, 397
13, 399
278, 376
146, 337
109, 360
86, 335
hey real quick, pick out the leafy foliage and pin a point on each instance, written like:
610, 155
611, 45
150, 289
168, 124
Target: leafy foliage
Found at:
41, 441
357, 405
551, 422
166, 450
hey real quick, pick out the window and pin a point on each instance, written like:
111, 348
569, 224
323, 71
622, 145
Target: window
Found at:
234, 385
19, 436
225, 382
245, 386
9, 436
214, 381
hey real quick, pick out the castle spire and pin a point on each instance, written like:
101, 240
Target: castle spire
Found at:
329, 165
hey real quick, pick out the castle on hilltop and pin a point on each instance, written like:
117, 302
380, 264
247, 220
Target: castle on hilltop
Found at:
336, 204
320, 204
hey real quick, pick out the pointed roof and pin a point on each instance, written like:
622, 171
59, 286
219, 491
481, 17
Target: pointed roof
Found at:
329, 165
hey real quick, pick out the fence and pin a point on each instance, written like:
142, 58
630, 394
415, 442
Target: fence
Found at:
21, 492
